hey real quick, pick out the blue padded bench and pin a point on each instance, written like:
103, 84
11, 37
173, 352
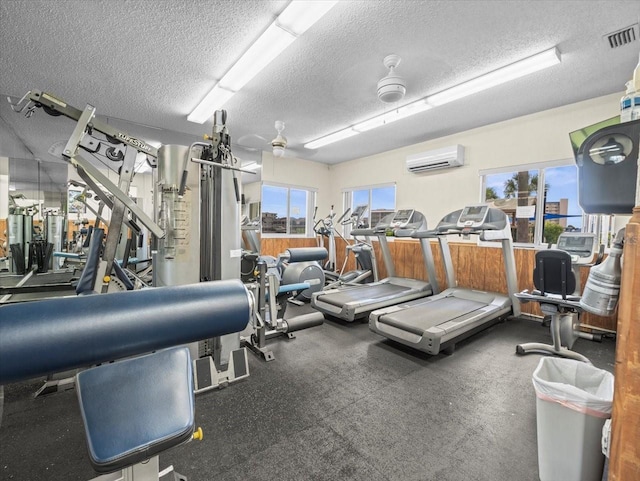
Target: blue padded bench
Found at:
134, 409
137, 407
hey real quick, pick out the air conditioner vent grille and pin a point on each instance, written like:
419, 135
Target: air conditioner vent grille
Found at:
435, 165
623, 36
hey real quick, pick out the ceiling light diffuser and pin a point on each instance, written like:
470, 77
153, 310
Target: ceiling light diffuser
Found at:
250, 166
294, 20
299, 16
330, 139
268, 46
390, 117
529, 65
212, 102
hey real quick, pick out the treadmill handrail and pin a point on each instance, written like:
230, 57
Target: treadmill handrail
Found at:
462, 230
363, 232
425, 234
404, 232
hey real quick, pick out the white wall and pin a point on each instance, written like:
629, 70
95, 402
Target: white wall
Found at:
539, 137
252, 193
301, 173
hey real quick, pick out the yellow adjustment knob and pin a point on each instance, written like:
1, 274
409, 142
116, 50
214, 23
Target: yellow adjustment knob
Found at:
106, 279
198, 434
206, 137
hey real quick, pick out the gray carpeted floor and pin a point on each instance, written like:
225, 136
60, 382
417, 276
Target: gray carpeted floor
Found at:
338, 402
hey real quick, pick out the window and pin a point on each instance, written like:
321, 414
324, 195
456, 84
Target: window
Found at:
286, 210
541, 201
381, 200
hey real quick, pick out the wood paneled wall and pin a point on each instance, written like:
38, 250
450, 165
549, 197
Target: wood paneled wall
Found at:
476, 267
3, 236
624, 464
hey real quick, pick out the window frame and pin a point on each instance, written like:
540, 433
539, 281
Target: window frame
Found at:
312, 198
347, 200
540, 167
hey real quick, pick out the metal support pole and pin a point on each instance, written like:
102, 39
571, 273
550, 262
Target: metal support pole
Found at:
118, 214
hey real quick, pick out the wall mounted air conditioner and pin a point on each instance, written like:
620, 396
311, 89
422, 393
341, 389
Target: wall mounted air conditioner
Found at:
436, 159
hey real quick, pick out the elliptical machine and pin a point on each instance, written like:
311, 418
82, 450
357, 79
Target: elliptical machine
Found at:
366, 268
325, 229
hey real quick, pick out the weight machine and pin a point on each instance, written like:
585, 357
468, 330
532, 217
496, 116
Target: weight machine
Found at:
91, 137
272, 294
197, 193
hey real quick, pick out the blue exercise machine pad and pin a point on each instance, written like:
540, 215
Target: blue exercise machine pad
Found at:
136, 408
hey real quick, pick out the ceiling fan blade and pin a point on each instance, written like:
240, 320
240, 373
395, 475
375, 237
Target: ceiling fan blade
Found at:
252, 142
300, 152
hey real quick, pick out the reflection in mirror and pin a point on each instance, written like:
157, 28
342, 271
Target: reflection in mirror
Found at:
611, 149
36, 194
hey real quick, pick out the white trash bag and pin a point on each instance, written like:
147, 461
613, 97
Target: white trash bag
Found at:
574, 399
574, 384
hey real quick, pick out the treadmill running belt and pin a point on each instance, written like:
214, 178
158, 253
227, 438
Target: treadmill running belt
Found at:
364, 294
39, 279
51, 278
418, 319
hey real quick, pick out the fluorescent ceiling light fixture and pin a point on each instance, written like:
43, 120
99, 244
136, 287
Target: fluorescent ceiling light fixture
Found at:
330, 139
251, 166
268, 46
392, 116
529, 65
212, 102
378, 121
299, 16
296, 19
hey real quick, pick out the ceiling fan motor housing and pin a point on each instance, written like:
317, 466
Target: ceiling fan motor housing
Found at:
392, 87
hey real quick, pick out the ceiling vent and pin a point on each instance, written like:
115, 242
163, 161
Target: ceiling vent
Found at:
623, 36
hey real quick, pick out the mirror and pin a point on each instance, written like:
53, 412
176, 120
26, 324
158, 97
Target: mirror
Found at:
30, 190
37, 188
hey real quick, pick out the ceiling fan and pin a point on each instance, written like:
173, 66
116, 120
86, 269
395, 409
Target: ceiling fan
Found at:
279, 144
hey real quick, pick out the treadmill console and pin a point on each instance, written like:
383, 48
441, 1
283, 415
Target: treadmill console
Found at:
401, 219
580, 245
473, 216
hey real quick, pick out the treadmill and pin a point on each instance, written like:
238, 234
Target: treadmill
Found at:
437, 323
352, 302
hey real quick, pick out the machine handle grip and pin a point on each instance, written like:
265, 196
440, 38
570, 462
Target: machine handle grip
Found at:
305, 254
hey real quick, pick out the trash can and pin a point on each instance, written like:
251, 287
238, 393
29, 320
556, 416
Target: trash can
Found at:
574, 400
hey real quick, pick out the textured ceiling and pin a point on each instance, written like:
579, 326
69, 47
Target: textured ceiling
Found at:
151, 62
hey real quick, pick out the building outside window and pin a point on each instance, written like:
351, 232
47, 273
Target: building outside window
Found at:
540, 200
381, 200
286, 210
